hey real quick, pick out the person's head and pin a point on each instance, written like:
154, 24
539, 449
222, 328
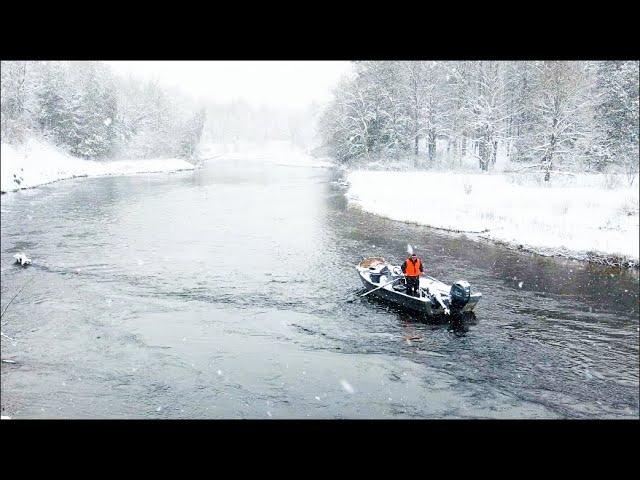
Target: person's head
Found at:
414, 256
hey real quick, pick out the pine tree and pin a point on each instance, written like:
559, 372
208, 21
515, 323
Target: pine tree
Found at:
52, 115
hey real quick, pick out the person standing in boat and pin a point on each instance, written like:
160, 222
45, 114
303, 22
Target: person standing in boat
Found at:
412, 269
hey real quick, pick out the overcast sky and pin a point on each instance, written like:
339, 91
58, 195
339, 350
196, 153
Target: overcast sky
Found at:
277, 83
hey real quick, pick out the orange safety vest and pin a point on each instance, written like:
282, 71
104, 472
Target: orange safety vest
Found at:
412, 269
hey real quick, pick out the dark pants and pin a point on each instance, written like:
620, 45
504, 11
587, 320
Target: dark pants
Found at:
412, 285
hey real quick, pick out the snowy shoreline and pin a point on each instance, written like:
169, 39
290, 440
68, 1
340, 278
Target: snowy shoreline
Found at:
577, 218
36, 163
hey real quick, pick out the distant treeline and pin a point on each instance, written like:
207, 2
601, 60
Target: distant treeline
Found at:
85, 109
553, 113
240, 121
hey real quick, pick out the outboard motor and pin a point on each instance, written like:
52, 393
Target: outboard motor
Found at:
460, 294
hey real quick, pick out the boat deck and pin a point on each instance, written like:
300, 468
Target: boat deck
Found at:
430, 288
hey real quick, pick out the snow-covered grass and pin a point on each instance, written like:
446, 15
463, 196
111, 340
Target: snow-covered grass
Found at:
576, 216
272, 152
36, 163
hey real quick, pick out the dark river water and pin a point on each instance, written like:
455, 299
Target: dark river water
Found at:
230, 292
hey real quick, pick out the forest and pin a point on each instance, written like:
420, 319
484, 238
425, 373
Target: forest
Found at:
91, 113
555, 115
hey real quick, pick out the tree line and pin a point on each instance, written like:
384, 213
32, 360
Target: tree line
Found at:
554, 114
91, 113
240, 121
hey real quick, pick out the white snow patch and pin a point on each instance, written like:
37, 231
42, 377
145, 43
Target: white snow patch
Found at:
22, 259
582, 216
37, 163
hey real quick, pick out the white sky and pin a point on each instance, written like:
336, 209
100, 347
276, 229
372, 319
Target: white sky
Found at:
275, 83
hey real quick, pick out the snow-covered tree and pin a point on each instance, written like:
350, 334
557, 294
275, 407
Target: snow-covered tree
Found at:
562, 105
414, 88
616, 114
53, 116
18, 86
192, 132
520, 88
436, 118
93, 107
83, 108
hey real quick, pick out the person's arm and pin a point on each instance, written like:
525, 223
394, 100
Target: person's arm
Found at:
404, 267
421, 268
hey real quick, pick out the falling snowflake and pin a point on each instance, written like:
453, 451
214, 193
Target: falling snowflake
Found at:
107, 121
520, 284
346, 386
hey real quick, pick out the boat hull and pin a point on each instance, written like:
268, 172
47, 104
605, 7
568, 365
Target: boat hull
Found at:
426, 304
412, 303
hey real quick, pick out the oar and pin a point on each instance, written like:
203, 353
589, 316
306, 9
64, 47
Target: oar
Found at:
378, 288
439, 300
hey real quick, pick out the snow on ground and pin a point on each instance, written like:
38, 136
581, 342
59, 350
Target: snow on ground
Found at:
579, 215
36, 163
272, 152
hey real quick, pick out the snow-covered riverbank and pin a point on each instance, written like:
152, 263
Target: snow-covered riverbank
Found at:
578, 217
36, 163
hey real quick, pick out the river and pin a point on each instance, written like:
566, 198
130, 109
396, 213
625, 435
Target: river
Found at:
230, 292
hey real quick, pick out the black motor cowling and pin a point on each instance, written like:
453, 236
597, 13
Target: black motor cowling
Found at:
460, 294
